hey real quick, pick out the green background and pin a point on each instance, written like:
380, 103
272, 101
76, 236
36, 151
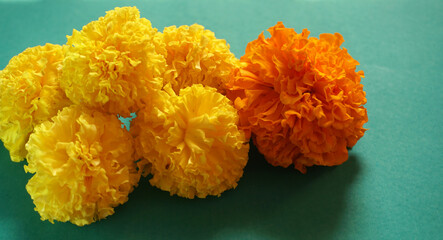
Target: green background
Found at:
391, 187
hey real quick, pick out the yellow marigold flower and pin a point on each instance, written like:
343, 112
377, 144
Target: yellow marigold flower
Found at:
112, 64
84, 166
195, 55
30, 94
300, 97
191, 143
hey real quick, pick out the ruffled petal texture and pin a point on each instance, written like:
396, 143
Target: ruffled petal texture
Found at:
30, 94
191, 143
84, 166
195, 56
113, 63
301, 98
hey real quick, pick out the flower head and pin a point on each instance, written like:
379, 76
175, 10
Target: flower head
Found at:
113, 63
300, 97
194, 55
30, 94
83, 164
191, 143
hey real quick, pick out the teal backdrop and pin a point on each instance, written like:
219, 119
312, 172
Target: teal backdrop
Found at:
391, 186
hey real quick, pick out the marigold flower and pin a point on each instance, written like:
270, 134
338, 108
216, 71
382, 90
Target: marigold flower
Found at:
194, 55
84, 166
112, 64
300, 97
191, 143
30, 94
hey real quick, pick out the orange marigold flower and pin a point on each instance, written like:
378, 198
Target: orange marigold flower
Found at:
30, 94
84, 166
191, 143
114, 63
301, 98
194, 55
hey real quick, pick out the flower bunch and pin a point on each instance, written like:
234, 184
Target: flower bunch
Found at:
59, 108
300, 97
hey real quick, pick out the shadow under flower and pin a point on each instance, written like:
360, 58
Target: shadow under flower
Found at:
269, 202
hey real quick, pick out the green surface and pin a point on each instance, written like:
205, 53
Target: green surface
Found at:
391, 187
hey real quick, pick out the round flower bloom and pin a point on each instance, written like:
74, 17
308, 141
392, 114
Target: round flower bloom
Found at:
30, 94
84, 166
300, 97
194, 55
191, 143
113, 63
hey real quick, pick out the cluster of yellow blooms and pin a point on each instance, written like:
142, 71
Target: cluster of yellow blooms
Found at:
59, 107
59, 110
